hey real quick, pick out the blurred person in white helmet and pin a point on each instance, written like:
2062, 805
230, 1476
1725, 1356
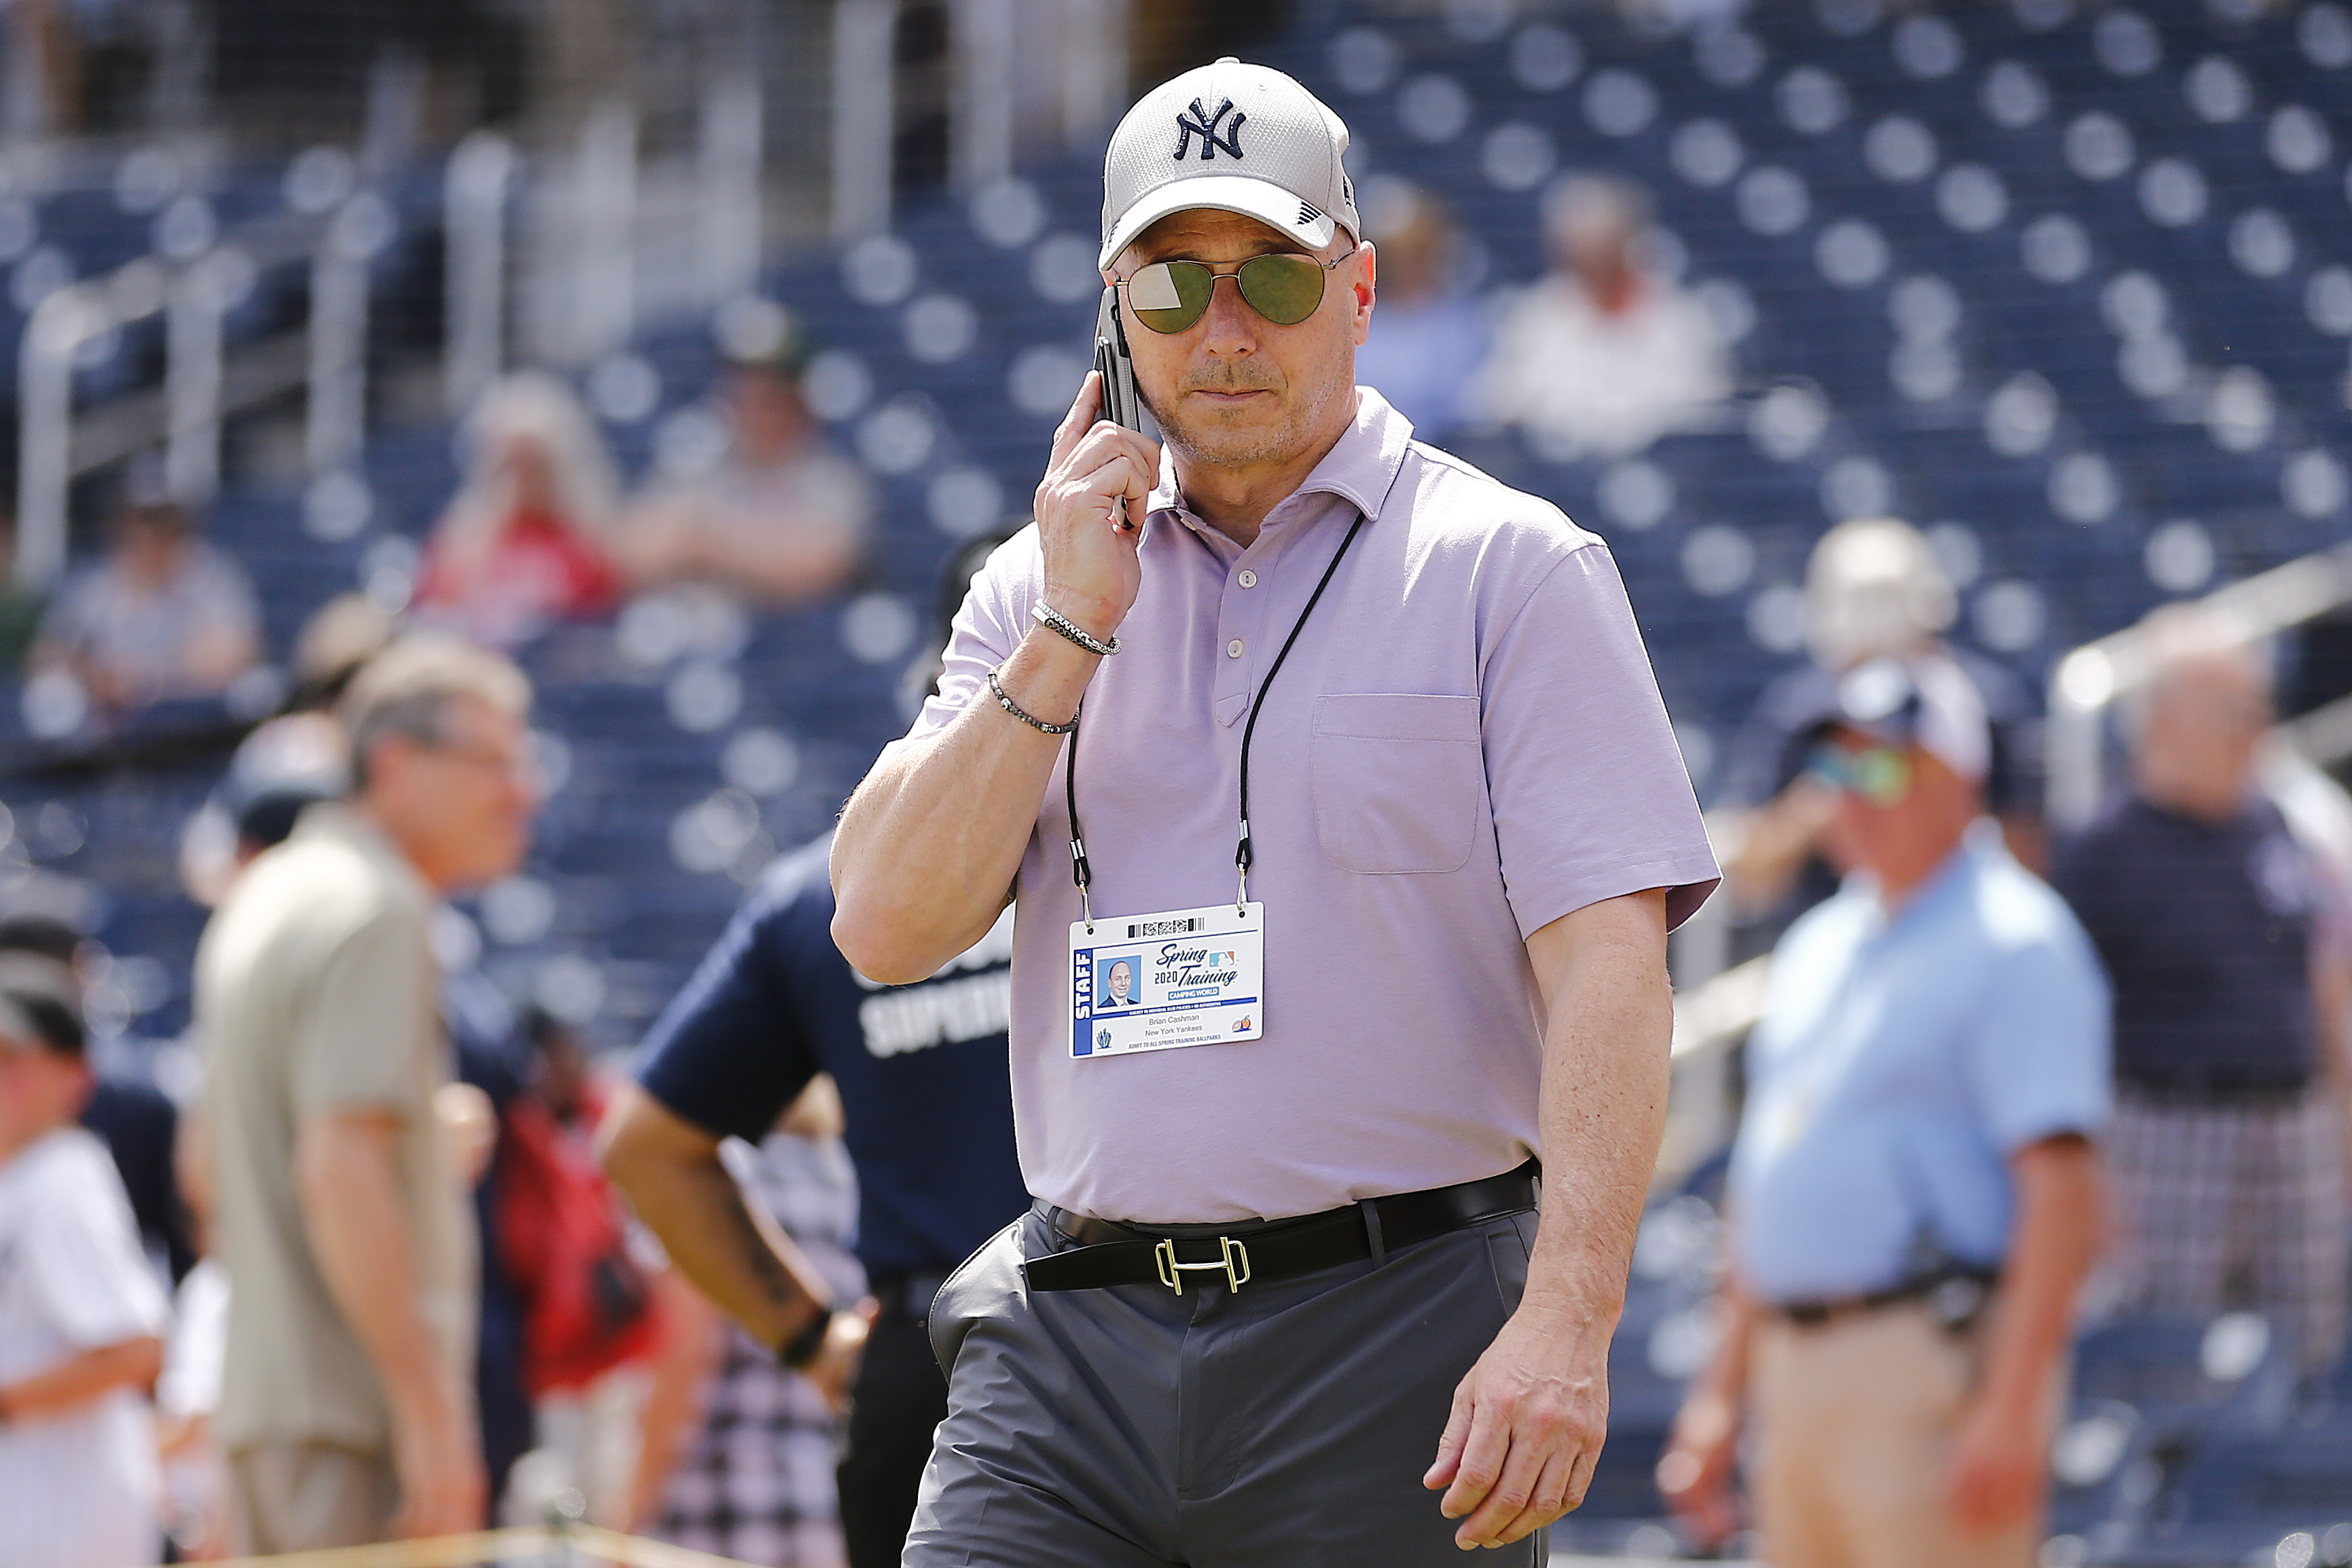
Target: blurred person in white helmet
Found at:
1874, 588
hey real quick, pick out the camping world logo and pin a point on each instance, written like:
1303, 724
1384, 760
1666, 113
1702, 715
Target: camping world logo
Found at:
1200, 122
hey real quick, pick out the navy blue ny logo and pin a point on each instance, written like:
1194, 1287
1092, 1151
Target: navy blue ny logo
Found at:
1201, 124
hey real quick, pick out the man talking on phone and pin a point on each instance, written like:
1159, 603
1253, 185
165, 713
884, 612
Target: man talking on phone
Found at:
1355, 756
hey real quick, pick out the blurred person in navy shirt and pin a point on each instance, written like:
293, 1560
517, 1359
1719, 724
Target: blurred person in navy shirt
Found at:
2222, 934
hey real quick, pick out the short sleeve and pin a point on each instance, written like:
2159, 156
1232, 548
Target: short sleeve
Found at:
2039, 1064
728, 1053
988, 628
358, 1041
81, 1253
1591, 797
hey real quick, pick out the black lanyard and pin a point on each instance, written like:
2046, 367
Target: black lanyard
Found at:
1081, 874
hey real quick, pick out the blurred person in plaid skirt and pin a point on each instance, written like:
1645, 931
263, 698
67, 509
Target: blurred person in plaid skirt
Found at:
755, 1478
2222, 933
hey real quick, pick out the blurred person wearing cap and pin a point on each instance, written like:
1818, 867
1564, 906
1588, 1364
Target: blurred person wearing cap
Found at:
162, 615
1604, 354
780, 516
1874, 588
922, 1078
1294, 1194
139, 1124
2223, 934
81, 1315
1429, 337
347, 1408
1914, 1197
527, 539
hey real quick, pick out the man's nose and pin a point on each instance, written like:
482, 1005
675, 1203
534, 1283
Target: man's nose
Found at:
1230, 326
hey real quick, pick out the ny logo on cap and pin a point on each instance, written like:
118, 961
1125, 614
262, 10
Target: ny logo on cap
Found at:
1201, 124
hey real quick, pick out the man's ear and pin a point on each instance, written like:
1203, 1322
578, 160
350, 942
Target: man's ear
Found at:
1365, 287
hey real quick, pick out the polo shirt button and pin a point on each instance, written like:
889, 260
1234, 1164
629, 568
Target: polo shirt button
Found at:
1233, 648
1248, 578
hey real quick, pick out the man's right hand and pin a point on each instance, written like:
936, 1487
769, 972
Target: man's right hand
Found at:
1090, 508
437, 1454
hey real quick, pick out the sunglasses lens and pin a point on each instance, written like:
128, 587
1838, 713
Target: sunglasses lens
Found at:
1170, 296
1285, 289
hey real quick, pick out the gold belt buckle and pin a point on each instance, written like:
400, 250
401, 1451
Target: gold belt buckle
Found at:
1235, 1265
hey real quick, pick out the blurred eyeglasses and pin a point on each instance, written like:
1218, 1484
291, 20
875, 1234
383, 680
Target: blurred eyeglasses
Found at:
1879, 775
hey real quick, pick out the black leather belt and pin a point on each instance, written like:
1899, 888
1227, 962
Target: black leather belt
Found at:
1112, 1254
1958, 1296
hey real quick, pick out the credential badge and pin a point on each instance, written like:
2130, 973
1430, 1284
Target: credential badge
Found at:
1201, 124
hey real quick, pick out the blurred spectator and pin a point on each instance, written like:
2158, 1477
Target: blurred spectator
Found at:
276, 772
347, 1411
164, 615
137, 1122
589, 1318
81, 1315
780, 516
343, 635
1914, 1197
1427, 337
1602, 356
524, 542
20, 608
2231, 991
1874, 589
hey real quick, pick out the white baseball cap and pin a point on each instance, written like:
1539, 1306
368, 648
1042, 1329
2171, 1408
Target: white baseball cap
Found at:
1242, 139
1925, 700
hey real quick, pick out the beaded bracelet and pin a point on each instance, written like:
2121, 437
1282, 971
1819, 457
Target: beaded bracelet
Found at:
1025, 716
1044, 615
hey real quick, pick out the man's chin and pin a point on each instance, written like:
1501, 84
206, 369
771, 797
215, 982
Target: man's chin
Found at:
1242, 435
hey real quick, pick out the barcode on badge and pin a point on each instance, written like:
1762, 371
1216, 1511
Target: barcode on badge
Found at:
1166, 928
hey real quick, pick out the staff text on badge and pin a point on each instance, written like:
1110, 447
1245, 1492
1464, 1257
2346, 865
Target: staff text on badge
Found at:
1157, 982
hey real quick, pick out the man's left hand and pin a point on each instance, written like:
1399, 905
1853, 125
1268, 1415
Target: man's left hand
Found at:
1999, 1466
1526, 1427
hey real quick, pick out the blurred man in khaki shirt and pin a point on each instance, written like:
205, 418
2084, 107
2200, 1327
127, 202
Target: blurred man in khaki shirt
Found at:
347, 1406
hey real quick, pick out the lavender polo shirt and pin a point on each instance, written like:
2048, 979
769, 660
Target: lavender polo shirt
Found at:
1465, 744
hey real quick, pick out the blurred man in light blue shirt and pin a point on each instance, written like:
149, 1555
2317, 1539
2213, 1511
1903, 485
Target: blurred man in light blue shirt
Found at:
1913, 1194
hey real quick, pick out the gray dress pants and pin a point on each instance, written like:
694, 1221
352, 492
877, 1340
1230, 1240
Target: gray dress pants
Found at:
1283, 1425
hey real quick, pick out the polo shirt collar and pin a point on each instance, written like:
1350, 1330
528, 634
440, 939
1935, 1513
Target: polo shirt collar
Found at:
1360, 469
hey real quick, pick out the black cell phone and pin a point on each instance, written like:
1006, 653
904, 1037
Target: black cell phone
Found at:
1120, 405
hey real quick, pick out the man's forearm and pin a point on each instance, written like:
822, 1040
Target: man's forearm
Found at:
670, 1173
2050, 1251
930, 843
1607, 1062
78, 1379
346, 1181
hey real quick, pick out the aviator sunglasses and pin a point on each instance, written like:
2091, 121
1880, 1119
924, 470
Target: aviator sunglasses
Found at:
1285, 288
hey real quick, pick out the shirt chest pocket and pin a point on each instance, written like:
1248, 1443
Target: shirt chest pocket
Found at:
1400, 782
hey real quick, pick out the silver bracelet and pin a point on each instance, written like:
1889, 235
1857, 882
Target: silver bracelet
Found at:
1044, 615
1025, 716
